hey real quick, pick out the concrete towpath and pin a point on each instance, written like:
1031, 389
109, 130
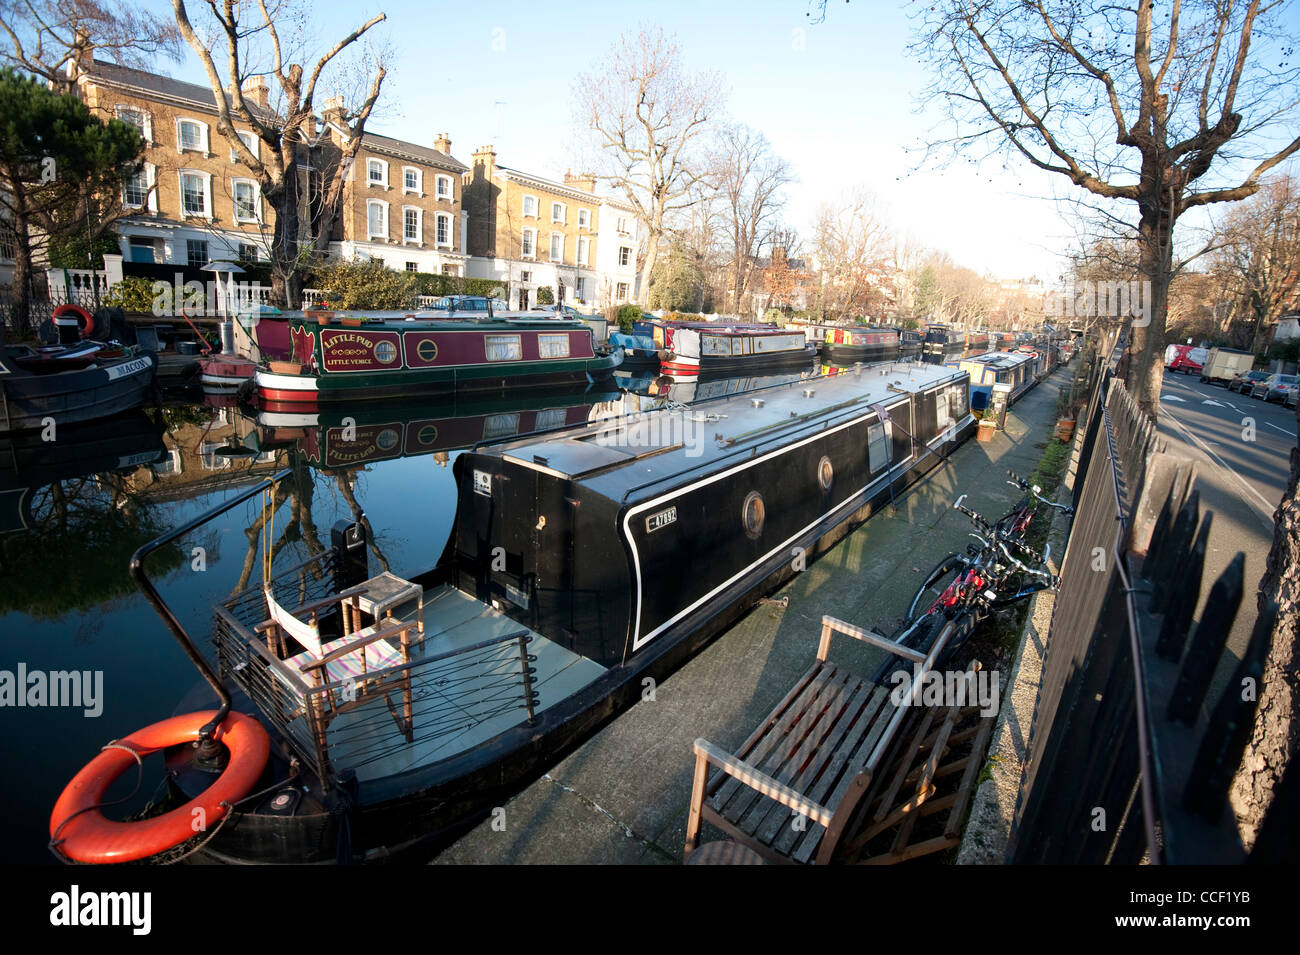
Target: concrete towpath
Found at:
622, 797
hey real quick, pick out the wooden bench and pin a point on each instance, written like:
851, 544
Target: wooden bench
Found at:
794, 787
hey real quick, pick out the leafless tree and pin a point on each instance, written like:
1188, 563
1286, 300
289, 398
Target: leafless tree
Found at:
1166, 110
649, 117
255, 51
45, 37
852, 247
749, 179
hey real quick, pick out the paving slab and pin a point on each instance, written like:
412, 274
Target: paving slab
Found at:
622, 797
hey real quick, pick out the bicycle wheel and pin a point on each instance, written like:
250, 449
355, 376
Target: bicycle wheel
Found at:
922, 638
936, 582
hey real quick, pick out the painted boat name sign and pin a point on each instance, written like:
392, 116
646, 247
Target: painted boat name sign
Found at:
359, 351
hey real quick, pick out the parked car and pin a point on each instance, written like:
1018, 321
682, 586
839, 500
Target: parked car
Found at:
1279, 387
566, 311
1185, 358
463, 303
1290, 400
1244, 382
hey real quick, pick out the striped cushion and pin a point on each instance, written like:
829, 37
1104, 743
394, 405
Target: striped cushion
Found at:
379, 655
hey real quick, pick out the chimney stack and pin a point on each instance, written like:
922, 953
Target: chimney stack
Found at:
443, 144
586, 182
255, 89
485, 157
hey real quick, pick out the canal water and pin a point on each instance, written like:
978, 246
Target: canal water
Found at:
84, 658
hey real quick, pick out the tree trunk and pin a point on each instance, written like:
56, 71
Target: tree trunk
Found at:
286, 277
1146, 370
1276, 733
651, 256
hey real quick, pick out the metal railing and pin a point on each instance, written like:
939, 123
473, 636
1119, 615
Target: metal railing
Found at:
1126, 762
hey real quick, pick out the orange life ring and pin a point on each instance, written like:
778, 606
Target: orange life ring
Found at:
87, 320
91, 837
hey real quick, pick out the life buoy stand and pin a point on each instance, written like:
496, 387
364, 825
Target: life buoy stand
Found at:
82, 833
84, 318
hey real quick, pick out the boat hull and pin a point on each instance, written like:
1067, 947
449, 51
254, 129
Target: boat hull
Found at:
73, 397
726, 365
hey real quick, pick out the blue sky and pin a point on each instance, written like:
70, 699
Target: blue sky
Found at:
838, 100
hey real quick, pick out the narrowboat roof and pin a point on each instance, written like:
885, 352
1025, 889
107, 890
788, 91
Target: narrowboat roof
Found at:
636, 456
374, 321
1001, 359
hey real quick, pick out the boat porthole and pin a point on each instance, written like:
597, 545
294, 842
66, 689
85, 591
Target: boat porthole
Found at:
385, 352
754, 514
825, 473
427, 350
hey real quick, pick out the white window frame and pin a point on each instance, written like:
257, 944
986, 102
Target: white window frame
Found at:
620, 292
450, 194
419, 225
584, 250
202, 148
418, 189
381, 183
525, 235
584, 219
256, 256
147, 132
624, 252
564, 213
440, 218
150, 203
380, 203
620, 226
207, 251
554, 257
207, 212
234, 200
246, 135
536, 213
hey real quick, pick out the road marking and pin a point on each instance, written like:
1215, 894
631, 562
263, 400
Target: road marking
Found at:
1266, 513
1211, 401
1283, 430
1171, 398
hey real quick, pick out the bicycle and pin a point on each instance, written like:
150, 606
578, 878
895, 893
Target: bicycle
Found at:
975, 585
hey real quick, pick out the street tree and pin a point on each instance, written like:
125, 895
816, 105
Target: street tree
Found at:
249, 39
649, 118
851, 244
46, 38
61, 174
1165, 110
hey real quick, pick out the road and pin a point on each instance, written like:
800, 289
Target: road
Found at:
1241, 447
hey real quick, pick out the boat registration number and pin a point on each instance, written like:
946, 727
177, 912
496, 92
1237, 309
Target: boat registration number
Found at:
127, 368
482, 483
660, 519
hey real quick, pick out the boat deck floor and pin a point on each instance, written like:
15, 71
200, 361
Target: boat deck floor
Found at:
460, 702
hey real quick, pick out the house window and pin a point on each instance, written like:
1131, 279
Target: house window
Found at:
194, 194
451, 270
410, 224
529, 246
580, 289
584, 218
583, 246
503, 348
557, 247
196, 251
553, 346
525, 277
557, 212
624, 255
412, 267
620, 292
443, 187
249, 139
192, 135
246, 204
135, 193
443, 229
411, 180
247, 252
622, 225
377, 219
8, 243
137, 118
530, 207
143, 250
377, 172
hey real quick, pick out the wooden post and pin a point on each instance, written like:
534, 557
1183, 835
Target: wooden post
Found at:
697, 802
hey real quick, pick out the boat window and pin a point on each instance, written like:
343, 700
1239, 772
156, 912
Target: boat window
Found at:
550, 419
877, 448
958, 397
754, 513
499, 425
943, 412
825, 473
553, 346
503, 348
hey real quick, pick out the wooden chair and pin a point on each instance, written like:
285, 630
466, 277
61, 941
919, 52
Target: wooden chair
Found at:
793, 788
328, 678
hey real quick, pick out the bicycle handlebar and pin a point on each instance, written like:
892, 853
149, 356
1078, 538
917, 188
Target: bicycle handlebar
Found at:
1035, 491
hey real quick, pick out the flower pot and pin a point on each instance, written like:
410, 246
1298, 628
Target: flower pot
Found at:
351, 322
286, 368
321, 318
1065, 429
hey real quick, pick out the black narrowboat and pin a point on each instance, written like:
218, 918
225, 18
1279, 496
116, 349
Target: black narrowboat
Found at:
581, 562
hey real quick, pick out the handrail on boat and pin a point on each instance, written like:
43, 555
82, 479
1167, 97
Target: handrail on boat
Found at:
173, 624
